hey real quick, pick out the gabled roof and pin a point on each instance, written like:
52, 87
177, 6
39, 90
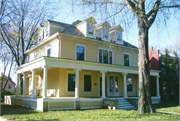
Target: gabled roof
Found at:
102, 24
71, 29
91, 19
118, 27
59, 23
6, 78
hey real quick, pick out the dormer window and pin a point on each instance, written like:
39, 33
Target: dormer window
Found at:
90, 28
47, 31
105, 32
119, 35
98, 33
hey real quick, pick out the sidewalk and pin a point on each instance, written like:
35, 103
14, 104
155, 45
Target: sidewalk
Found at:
168, 112
2, 119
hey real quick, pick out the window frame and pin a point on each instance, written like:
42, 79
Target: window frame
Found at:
9, 85
84, 52
125, 53
48, 47
91, 74
36, 54
132, 85
70, 72
108, 55
90, 31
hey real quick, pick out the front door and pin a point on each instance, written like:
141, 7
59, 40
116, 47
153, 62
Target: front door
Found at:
113, 89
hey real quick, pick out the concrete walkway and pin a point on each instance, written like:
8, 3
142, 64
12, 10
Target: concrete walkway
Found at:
168, 112
2, 119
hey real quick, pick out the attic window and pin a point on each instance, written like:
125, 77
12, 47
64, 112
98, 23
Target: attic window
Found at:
119, 35
105, 32
90, 28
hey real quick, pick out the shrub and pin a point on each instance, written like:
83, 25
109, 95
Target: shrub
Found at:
5, 92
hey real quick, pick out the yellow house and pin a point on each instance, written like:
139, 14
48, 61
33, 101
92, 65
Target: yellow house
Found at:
82, 65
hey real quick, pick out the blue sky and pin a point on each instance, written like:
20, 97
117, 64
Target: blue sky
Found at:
160, 36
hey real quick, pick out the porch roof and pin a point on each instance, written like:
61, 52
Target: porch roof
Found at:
53, 62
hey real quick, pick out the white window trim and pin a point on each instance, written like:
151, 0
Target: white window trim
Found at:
84, 51
70, 72
108, 54
88, 73
132, 84
129, 58
49, 47
37, 52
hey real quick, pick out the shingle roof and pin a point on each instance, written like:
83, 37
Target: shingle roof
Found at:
56, 22
71, 29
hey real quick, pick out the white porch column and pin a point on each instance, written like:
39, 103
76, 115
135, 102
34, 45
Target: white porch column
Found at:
125, 85
24, 84
77, 83
17, 87
33, 84
103, 84
45, 73
157, 85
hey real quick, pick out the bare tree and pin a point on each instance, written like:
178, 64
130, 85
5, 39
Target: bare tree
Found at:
145, 13
21, 19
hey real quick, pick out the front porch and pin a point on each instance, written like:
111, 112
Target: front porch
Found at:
58, 84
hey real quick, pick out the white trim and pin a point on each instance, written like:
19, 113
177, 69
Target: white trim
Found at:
57, 26
129, 58
88, 73
70, 72
84, 51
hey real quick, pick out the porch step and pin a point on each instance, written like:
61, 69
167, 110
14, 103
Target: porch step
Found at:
125, 105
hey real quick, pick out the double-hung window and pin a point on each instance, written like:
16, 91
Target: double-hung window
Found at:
9, 86
105, 56
71, 82
87, 83
90, 28
49, 51
80, 52
126, 59
105, 32
37, 55
129, 85
47, 31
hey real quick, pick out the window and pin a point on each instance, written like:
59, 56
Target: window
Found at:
80, 53
177, 68
90, 28
9, 86
119, 35
129, 84
71, 82
27, 58
105, 32
126, 60
87, 83
37, 54
49, 51
105, 56
40, 36
116, 83
111, 81
47, 31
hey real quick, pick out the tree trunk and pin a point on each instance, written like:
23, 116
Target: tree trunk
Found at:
144, 102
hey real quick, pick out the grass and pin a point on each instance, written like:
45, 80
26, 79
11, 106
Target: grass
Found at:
21, 113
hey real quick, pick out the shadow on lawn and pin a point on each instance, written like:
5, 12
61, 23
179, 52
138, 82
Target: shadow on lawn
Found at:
14, 109
166, 103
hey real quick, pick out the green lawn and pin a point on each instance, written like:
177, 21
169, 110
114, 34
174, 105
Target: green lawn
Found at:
20, 113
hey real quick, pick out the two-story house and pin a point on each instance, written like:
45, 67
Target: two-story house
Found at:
82, 65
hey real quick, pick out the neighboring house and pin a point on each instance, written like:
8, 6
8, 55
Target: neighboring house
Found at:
10, 86
82, 65
154, 57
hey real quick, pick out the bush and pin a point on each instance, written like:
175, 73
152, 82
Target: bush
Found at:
5, 92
